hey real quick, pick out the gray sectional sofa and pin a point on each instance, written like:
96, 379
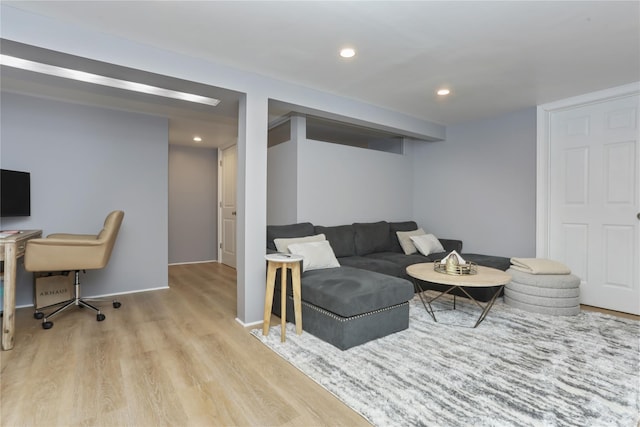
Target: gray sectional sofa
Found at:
367, 296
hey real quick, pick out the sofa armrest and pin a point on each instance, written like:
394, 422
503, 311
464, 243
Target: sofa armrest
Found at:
451, 245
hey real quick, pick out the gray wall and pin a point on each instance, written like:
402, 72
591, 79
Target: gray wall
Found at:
480, 185
282, 183
331, 184
338, 184
84, 162
193, 215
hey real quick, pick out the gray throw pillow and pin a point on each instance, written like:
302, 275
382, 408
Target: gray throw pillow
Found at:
394, 227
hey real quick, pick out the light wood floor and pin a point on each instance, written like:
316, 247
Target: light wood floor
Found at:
613, 313
173, 357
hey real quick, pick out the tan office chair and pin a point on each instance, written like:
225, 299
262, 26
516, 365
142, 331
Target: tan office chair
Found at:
73, 252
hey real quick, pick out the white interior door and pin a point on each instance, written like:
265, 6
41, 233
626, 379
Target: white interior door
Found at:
594, 194
228, 166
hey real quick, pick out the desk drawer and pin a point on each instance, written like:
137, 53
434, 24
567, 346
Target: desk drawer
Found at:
20, 248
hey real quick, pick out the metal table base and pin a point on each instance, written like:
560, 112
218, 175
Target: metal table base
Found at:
427, 302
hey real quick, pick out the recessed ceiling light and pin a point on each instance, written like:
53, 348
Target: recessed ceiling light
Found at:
347, 52
443, 92
197, 139
82, 76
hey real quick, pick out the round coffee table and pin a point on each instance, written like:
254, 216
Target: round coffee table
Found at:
484, 278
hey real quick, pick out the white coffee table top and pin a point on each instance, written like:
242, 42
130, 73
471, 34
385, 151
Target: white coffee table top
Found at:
280, 257
485, 277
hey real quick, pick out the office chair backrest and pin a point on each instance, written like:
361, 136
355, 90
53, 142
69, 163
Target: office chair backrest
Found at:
110, 232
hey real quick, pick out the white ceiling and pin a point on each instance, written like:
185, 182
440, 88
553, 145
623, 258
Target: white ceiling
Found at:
496, 57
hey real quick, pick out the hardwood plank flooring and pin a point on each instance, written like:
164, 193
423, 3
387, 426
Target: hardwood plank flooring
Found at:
174, 357
611, 312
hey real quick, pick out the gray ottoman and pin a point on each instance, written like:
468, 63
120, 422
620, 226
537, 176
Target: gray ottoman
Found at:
553, 294
347, 306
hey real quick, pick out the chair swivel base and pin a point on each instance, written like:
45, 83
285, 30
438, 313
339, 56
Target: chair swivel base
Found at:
76, 300
48, 324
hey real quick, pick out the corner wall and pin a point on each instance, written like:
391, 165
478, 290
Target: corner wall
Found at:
193, 213
338, 184
333, 184
480, 185
85, 162
282, 184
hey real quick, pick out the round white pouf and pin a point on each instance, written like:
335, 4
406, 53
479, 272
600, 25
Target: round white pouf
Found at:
552, 294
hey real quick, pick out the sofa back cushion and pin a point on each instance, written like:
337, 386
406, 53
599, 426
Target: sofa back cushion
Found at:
286, 231
371, 237
341, 239
399, 226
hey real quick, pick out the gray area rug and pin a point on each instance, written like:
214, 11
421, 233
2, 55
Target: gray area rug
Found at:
515, 369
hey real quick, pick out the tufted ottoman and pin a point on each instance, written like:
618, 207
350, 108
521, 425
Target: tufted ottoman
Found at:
553, 294
348, 306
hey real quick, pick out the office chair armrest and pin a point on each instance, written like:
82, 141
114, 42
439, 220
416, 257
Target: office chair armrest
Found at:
72, 236
65, 241
61, 254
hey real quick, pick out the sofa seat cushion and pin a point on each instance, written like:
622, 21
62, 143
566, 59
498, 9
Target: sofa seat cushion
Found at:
437, 256
400, 259
501, 263
341, 239
373, 264
348, 291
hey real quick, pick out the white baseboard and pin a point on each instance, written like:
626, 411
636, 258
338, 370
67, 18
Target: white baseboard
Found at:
193, 262
248, 325
109, 295
130, 292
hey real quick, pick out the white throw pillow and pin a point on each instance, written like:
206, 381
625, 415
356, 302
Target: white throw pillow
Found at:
405, 241
317, 255
427, 244
282, 245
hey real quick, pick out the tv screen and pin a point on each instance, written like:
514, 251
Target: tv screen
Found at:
15, 193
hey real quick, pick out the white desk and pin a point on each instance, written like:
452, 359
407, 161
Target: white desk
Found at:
11, 249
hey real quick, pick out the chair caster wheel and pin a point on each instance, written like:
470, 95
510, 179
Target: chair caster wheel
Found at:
116, 304
100, 317
47, 325
38, 315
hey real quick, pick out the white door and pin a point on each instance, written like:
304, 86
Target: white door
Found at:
228, 167
594, 194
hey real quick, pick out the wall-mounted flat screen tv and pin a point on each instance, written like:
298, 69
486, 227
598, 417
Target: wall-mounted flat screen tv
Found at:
15, 193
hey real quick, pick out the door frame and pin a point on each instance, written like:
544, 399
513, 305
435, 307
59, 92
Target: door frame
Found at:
543, 142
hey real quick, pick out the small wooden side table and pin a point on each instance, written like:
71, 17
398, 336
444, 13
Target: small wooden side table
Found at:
284, 262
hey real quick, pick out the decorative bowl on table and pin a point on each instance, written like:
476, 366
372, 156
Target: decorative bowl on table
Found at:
454, 264
459, 270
